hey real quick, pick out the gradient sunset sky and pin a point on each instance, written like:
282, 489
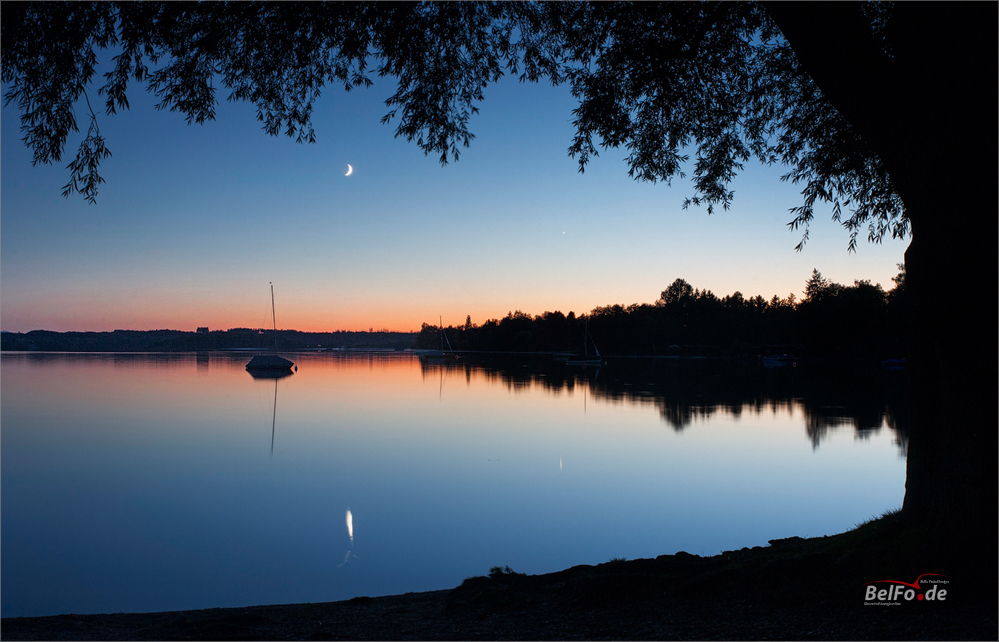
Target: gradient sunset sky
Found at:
194, 221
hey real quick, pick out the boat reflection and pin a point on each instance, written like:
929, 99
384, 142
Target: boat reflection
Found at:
270, 374
275, 375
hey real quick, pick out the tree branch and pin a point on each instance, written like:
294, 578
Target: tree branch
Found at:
835, 47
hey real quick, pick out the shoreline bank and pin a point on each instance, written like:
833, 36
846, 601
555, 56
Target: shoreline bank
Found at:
794, 588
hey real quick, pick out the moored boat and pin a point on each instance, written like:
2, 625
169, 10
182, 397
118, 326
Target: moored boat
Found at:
440, 355
585, 359
270, 363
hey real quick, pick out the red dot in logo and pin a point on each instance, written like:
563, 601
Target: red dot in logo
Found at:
919, 597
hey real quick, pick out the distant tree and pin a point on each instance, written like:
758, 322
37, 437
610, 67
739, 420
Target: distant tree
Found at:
898, 313
843, 320
899, 280
734, 301
887, 110
678, 292
815, 286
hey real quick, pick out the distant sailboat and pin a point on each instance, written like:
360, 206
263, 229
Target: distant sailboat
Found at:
441, 354
585, 359
270, 362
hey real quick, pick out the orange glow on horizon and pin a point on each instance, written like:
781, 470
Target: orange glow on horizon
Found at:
189, 320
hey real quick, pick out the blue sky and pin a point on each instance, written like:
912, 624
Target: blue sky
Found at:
194, 221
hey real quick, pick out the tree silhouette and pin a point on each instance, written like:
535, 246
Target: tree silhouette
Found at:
715, 77
886, 112
859, 322
816, 286
677, 292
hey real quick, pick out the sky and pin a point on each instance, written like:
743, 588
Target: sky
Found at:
194, 222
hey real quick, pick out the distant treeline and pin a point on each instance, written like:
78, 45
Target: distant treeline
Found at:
832, 320
179, 341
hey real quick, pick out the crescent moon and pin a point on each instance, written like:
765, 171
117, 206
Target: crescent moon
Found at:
350, 170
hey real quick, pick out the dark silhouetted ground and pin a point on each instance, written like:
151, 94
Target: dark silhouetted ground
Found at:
792, 589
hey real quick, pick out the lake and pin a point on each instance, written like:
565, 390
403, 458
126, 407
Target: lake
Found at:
152, 482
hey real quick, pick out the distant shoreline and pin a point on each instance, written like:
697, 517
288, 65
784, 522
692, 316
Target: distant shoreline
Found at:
242, 339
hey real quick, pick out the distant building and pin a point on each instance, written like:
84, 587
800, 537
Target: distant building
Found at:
203, 330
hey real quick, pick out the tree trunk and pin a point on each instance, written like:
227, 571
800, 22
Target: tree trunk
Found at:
951, 476
930, 111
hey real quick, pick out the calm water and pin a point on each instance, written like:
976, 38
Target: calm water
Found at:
162, 482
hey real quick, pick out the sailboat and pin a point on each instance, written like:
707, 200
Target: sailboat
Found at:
585, 359
437, 355
270, 363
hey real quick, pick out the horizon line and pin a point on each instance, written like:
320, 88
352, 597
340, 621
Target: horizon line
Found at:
369, 331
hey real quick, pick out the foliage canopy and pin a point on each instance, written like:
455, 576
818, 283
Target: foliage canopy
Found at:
662, 81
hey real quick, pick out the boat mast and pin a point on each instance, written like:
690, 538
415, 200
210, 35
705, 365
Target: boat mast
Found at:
273, 317
595, 350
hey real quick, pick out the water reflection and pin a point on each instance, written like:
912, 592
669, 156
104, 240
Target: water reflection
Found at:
267, 374
829, 395
142, 482
350, 533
